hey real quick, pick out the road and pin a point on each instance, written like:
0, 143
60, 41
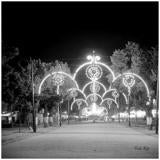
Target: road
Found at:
94, 140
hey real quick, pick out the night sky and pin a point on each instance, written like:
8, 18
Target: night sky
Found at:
69, 31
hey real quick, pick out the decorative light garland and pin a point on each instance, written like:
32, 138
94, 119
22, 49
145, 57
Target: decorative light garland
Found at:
125, 97
93, 59
93, 98
95, 88
78, 90
115, 94
94, 72
113, 89
91, 82
94, 94
128, 81
108, 101
58, 80
75, 101
51, 74
139, 77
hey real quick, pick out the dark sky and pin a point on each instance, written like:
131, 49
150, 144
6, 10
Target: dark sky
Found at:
68, 31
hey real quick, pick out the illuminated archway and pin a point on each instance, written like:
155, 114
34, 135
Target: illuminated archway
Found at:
53, 73
93, 71
139, 77
93, 60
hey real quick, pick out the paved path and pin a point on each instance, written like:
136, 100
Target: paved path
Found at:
95, 140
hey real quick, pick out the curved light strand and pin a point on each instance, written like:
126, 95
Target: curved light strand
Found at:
109, 91
78, 100
77, 90
91, 83
139, 77
92, 94
50, 74
106, 99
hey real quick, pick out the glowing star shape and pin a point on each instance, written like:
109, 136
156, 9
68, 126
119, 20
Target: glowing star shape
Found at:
58, 79
95, 88
93, 98
128, 81
94, 72
115, 94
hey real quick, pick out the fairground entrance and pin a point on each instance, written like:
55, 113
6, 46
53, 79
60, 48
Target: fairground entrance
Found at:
94, 92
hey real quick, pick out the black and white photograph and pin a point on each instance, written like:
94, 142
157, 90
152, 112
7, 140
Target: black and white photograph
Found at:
79, 79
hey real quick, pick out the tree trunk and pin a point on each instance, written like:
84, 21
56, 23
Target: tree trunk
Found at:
157, 99
149, 118
68, 112
19, 119
136, 117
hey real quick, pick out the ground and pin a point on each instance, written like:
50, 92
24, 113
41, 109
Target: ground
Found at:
87, 140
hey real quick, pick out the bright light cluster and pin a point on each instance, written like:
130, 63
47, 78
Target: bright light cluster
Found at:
94, 97
137, 76
95, 88
128, 81
73, 90
94, 72
79, 103
93, 58
58, 79
52, 74
96, 83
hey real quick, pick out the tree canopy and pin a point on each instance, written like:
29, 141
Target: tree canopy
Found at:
143, 62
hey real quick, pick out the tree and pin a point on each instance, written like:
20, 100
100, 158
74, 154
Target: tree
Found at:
143, 62
10, 89
49, 89
124, 59
147, 64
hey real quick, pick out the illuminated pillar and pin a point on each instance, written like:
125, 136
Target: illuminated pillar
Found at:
58, 80
129, 122
129, 81
115, 94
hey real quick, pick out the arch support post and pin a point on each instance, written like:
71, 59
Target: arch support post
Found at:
129, 120
68, 111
